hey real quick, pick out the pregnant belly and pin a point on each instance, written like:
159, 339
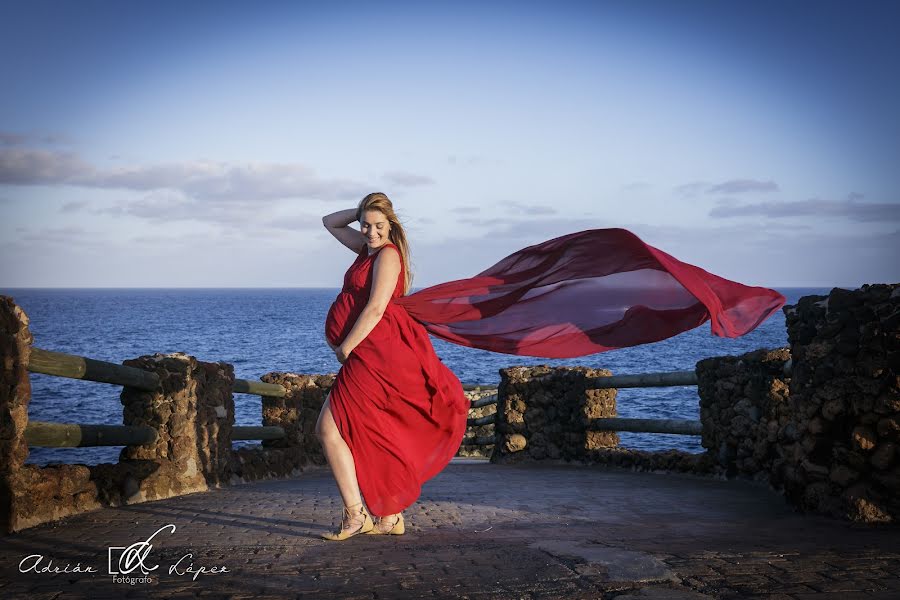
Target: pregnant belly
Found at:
341, 317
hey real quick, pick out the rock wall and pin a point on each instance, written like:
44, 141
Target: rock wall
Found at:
546, 413
828, 435
193, 413
744, 410
480, 431
845, 396
297, 413
15, 394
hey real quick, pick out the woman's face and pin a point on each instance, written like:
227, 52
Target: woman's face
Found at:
375, 226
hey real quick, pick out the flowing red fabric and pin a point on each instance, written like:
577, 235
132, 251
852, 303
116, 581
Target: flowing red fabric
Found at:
584, 293
403, 413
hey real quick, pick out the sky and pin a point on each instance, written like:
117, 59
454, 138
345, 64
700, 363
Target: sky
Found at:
167, 144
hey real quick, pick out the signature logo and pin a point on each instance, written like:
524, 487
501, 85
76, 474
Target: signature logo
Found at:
132, 557
123, 561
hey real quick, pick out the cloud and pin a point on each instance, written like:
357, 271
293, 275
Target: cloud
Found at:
169, 206
814, 207
636, 186
39, 167
159, 240
70, 207
172, 205
254, 198
11, 139
69, 236
479, 222
514, 220
467, 160
687, 190
732, 186
407, 179
202, 180
538, 230
534, 209
741, 186
296, 222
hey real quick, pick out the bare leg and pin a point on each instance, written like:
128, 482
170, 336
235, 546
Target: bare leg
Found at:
340, 459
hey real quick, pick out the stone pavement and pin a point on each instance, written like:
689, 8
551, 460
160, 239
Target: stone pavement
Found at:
479, 531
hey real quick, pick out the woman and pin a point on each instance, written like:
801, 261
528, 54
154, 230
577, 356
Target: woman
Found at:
396, 415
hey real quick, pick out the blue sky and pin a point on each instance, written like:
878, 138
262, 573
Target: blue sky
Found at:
156, 145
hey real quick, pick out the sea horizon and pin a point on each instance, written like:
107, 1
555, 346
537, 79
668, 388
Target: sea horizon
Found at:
264, 330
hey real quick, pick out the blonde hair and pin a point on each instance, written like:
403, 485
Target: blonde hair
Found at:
380, 202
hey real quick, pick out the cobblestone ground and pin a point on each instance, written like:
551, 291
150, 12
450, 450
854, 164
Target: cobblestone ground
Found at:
478, 531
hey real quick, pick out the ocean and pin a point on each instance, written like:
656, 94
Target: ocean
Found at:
263, 330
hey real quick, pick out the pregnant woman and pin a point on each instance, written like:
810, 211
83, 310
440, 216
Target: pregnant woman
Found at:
396, 415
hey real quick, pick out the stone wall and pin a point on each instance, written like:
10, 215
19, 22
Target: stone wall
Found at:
15, 393
480, 431
297, 413
828, 435
546, 413
193, 413
744, 410
845, 394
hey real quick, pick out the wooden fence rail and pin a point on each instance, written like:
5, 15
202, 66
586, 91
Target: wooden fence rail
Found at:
74, 435
674, 426
667, 379
79, 367
40, 433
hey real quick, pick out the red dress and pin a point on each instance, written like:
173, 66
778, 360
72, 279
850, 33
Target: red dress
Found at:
403, 413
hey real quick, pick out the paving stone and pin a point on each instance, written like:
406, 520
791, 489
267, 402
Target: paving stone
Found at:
478, 531
663, 593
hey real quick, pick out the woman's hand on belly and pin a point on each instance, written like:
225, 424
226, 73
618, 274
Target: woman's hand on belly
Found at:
341, 353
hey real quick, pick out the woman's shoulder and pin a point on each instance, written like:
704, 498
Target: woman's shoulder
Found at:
392, 245
389, 255
365, 251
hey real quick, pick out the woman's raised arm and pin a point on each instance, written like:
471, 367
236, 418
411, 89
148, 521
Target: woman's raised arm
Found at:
338, 224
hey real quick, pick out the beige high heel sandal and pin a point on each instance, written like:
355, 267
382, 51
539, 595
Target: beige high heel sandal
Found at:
398, 528
343, 534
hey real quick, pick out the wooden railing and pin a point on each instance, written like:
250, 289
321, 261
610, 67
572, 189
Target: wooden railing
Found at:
663, 379
40, 433
68, 435
79, 367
